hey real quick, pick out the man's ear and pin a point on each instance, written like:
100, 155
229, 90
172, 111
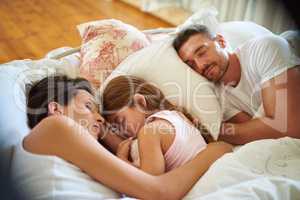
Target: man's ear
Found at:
55, 108
221, 40
140, 101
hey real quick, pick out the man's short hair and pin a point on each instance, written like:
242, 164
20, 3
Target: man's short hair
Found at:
186, 33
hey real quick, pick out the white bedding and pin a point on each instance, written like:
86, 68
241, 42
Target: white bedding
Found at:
264, 169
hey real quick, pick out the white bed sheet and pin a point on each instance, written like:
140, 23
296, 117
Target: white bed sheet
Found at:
264, 169
264, 188
261, 170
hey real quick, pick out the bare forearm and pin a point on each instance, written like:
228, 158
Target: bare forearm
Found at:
179, 181
112, 141
255, 129
111, 171
154, 170
176, 183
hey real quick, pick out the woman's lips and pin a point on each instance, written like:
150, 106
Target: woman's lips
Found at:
96, 130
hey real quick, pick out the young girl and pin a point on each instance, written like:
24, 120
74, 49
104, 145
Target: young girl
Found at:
61, 158
166, 138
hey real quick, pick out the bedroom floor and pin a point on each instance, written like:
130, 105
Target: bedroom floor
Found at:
31, 28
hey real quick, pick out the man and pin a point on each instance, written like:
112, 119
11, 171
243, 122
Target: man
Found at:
260, 75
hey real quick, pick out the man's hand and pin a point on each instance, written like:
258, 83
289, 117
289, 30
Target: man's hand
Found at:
227, 132
280, 97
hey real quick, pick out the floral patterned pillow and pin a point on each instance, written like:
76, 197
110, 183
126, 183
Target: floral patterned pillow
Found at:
105, 44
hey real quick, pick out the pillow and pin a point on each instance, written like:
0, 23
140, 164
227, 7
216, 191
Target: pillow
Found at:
236, 32
160, 65
13, 120
293, 38
105, 44
206, 16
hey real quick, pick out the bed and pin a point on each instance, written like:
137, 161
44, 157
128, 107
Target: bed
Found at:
265, 169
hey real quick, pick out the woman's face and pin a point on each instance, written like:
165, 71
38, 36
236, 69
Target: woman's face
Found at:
83, 109
129, 120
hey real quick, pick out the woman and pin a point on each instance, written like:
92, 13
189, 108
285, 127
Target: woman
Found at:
65, 126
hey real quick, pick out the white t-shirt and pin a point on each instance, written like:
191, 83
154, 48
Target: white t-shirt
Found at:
261, 59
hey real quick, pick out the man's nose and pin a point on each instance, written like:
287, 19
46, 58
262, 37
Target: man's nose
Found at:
200, 65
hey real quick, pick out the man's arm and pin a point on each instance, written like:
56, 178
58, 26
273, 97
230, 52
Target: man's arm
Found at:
281, 98
241, 117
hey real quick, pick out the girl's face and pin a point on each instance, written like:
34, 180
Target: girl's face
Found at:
83, 109
129, 120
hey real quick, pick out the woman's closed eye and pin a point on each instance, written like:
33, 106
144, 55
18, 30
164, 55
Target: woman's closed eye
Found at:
89, 105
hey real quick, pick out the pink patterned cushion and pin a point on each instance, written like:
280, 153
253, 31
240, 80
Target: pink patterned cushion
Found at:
105, 44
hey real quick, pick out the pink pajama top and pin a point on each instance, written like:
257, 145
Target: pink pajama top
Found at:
188, 141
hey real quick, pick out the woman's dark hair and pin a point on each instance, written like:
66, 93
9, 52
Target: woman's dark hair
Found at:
185, 34
57, 88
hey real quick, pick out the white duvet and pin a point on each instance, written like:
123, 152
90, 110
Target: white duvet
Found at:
264, 169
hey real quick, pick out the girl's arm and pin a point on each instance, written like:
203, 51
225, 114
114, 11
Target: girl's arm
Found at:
152, 159
110, 140
62, 137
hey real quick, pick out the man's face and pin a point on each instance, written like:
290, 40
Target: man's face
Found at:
205, 55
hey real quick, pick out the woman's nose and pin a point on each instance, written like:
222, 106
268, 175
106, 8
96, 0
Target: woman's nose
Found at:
99, 118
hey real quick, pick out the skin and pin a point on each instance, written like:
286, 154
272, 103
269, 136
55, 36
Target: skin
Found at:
83, 110
129, 119
199, 51
75, 142
154, 138
281, 112
206, 56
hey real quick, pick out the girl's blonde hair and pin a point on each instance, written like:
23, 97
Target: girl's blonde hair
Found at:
120, 91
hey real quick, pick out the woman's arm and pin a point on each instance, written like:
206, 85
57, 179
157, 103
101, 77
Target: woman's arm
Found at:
61, 136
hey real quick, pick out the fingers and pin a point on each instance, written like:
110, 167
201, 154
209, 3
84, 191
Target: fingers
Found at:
208, 138
124, 148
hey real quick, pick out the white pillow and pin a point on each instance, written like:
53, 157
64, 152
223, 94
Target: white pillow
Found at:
206, 16
238, 32
13, 78
160, 65
13, 119
293, 38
